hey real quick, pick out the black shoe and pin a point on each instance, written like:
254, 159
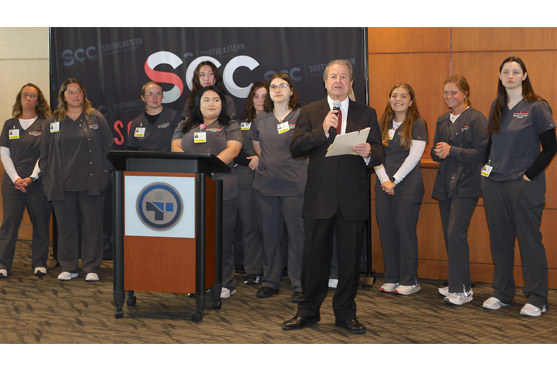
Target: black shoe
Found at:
298, 322
297, 297
352, 325
252, 280
266, 292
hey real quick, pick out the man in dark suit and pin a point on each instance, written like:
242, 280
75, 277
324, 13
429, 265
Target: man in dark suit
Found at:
336, 197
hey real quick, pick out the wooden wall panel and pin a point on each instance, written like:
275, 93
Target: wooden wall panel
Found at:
408, 39
503, 38
424, 72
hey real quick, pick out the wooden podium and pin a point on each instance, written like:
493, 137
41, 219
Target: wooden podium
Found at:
167, 226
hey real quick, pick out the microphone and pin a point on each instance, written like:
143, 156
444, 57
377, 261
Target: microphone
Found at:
336, 107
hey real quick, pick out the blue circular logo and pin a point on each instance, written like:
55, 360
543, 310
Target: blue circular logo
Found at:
159, 206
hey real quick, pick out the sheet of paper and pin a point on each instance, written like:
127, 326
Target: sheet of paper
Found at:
342, 145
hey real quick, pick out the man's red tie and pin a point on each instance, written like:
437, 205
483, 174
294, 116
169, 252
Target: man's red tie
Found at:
339, 127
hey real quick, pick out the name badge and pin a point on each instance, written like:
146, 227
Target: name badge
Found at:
55, 127
13, 134
283, 127
391, 134
245, 125
139, 132
486, 170
200, 137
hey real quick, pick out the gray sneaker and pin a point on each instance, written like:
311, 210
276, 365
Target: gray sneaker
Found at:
458, 298
530, 310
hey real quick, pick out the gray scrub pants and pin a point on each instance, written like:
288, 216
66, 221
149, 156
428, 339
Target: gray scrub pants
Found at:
456, 214
251, 238
514, 209
397, 217
272, 212
39, 209
230, 212
80, 208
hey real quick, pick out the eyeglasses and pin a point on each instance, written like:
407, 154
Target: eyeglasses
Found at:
280, 86
72, 92
27, 96
154, 94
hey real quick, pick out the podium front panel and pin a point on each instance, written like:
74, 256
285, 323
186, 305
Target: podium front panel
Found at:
159, 232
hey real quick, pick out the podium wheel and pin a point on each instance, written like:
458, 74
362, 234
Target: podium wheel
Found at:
131, 300
217, 304
119, 313
197, 316
368, 282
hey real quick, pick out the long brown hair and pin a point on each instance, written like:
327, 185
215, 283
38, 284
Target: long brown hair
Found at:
502, 97
42, 110
249, 112
408, 123
62, 110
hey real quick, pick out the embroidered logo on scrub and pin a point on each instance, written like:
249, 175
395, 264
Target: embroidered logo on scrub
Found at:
520, 115
465, 127
159, 206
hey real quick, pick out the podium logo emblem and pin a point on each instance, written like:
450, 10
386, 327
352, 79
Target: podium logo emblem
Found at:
159, 206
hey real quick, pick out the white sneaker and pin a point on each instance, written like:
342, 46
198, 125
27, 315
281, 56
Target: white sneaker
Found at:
39, 271
444, 290
3, 273
333, 283
66, 276
407, 290
226, 293
532, 311
388, 287
458, 298
91, 277
494, 303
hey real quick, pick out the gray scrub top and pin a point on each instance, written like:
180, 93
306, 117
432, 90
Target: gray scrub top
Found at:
73, 158
157, 136
459, 173
278, 173
216, 137
24, 150
517, 144
395, 156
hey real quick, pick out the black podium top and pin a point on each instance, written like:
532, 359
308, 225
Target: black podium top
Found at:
170, 162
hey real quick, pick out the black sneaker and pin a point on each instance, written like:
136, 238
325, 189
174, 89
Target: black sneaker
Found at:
266, 292
252, 280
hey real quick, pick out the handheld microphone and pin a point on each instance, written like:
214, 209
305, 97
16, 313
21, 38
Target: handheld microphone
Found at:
336, 107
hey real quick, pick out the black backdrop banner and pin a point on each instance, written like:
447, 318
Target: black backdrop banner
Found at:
114, 63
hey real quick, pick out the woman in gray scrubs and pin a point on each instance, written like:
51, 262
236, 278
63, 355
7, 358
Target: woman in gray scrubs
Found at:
399, 190
21, 186
75, 173
279, 186
458, 145
209, 130
152, 130
247, 162
513, 186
